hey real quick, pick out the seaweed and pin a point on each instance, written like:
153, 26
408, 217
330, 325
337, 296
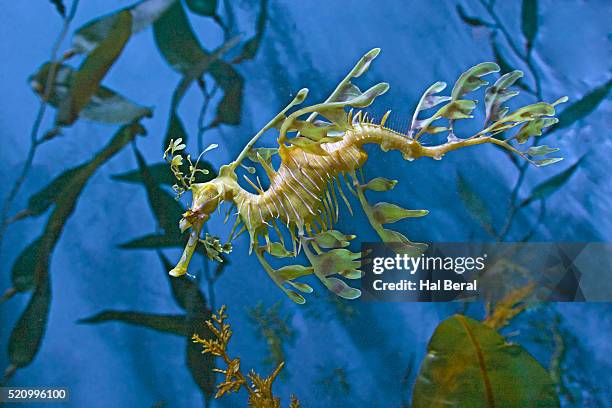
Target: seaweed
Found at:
258, 388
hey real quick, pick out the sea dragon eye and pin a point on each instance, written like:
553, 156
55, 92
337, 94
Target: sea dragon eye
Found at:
323, 155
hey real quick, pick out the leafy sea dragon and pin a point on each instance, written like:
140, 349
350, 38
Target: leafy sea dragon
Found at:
301, 196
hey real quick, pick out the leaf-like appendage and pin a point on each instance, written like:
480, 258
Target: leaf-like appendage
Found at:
380, 184
302, 287
400, 244
457, 109
498, 94
534, 128
470, 80
428, 100
265, 153
333, 239
364, 63
278, 250
341, 289
387, 213
541, 150
291, 272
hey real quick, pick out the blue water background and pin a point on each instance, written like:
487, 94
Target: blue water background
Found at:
306, 44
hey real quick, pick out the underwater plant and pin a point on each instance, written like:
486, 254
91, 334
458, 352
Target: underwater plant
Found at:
302, 192
260, 389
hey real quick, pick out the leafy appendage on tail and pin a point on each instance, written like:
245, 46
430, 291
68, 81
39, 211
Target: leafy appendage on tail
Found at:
320, 156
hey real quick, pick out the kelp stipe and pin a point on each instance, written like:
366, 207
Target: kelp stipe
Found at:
322, 155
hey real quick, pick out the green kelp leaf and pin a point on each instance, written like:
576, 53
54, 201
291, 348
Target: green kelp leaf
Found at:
470, 365
251, 46
181, 49
584, 107
92, 33
43, 199
291, 272
472, 21
86, 81
386, 213
168, 212
105, 106
176, 40
553, 184
203, 7
22, 274
341, 289
400, 244
174, 324
380, 184
529, 22
27, 335
333, 239
190, 298
541, 150
60, 79
475, 205
161, 174
499, 93
61, 185
170, 240
60, 7
229, 110
470, 80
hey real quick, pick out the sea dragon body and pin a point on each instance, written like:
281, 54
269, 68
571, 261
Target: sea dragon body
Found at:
302, 192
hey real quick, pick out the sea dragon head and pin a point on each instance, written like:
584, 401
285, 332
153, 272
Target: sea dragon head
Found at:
206, 198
